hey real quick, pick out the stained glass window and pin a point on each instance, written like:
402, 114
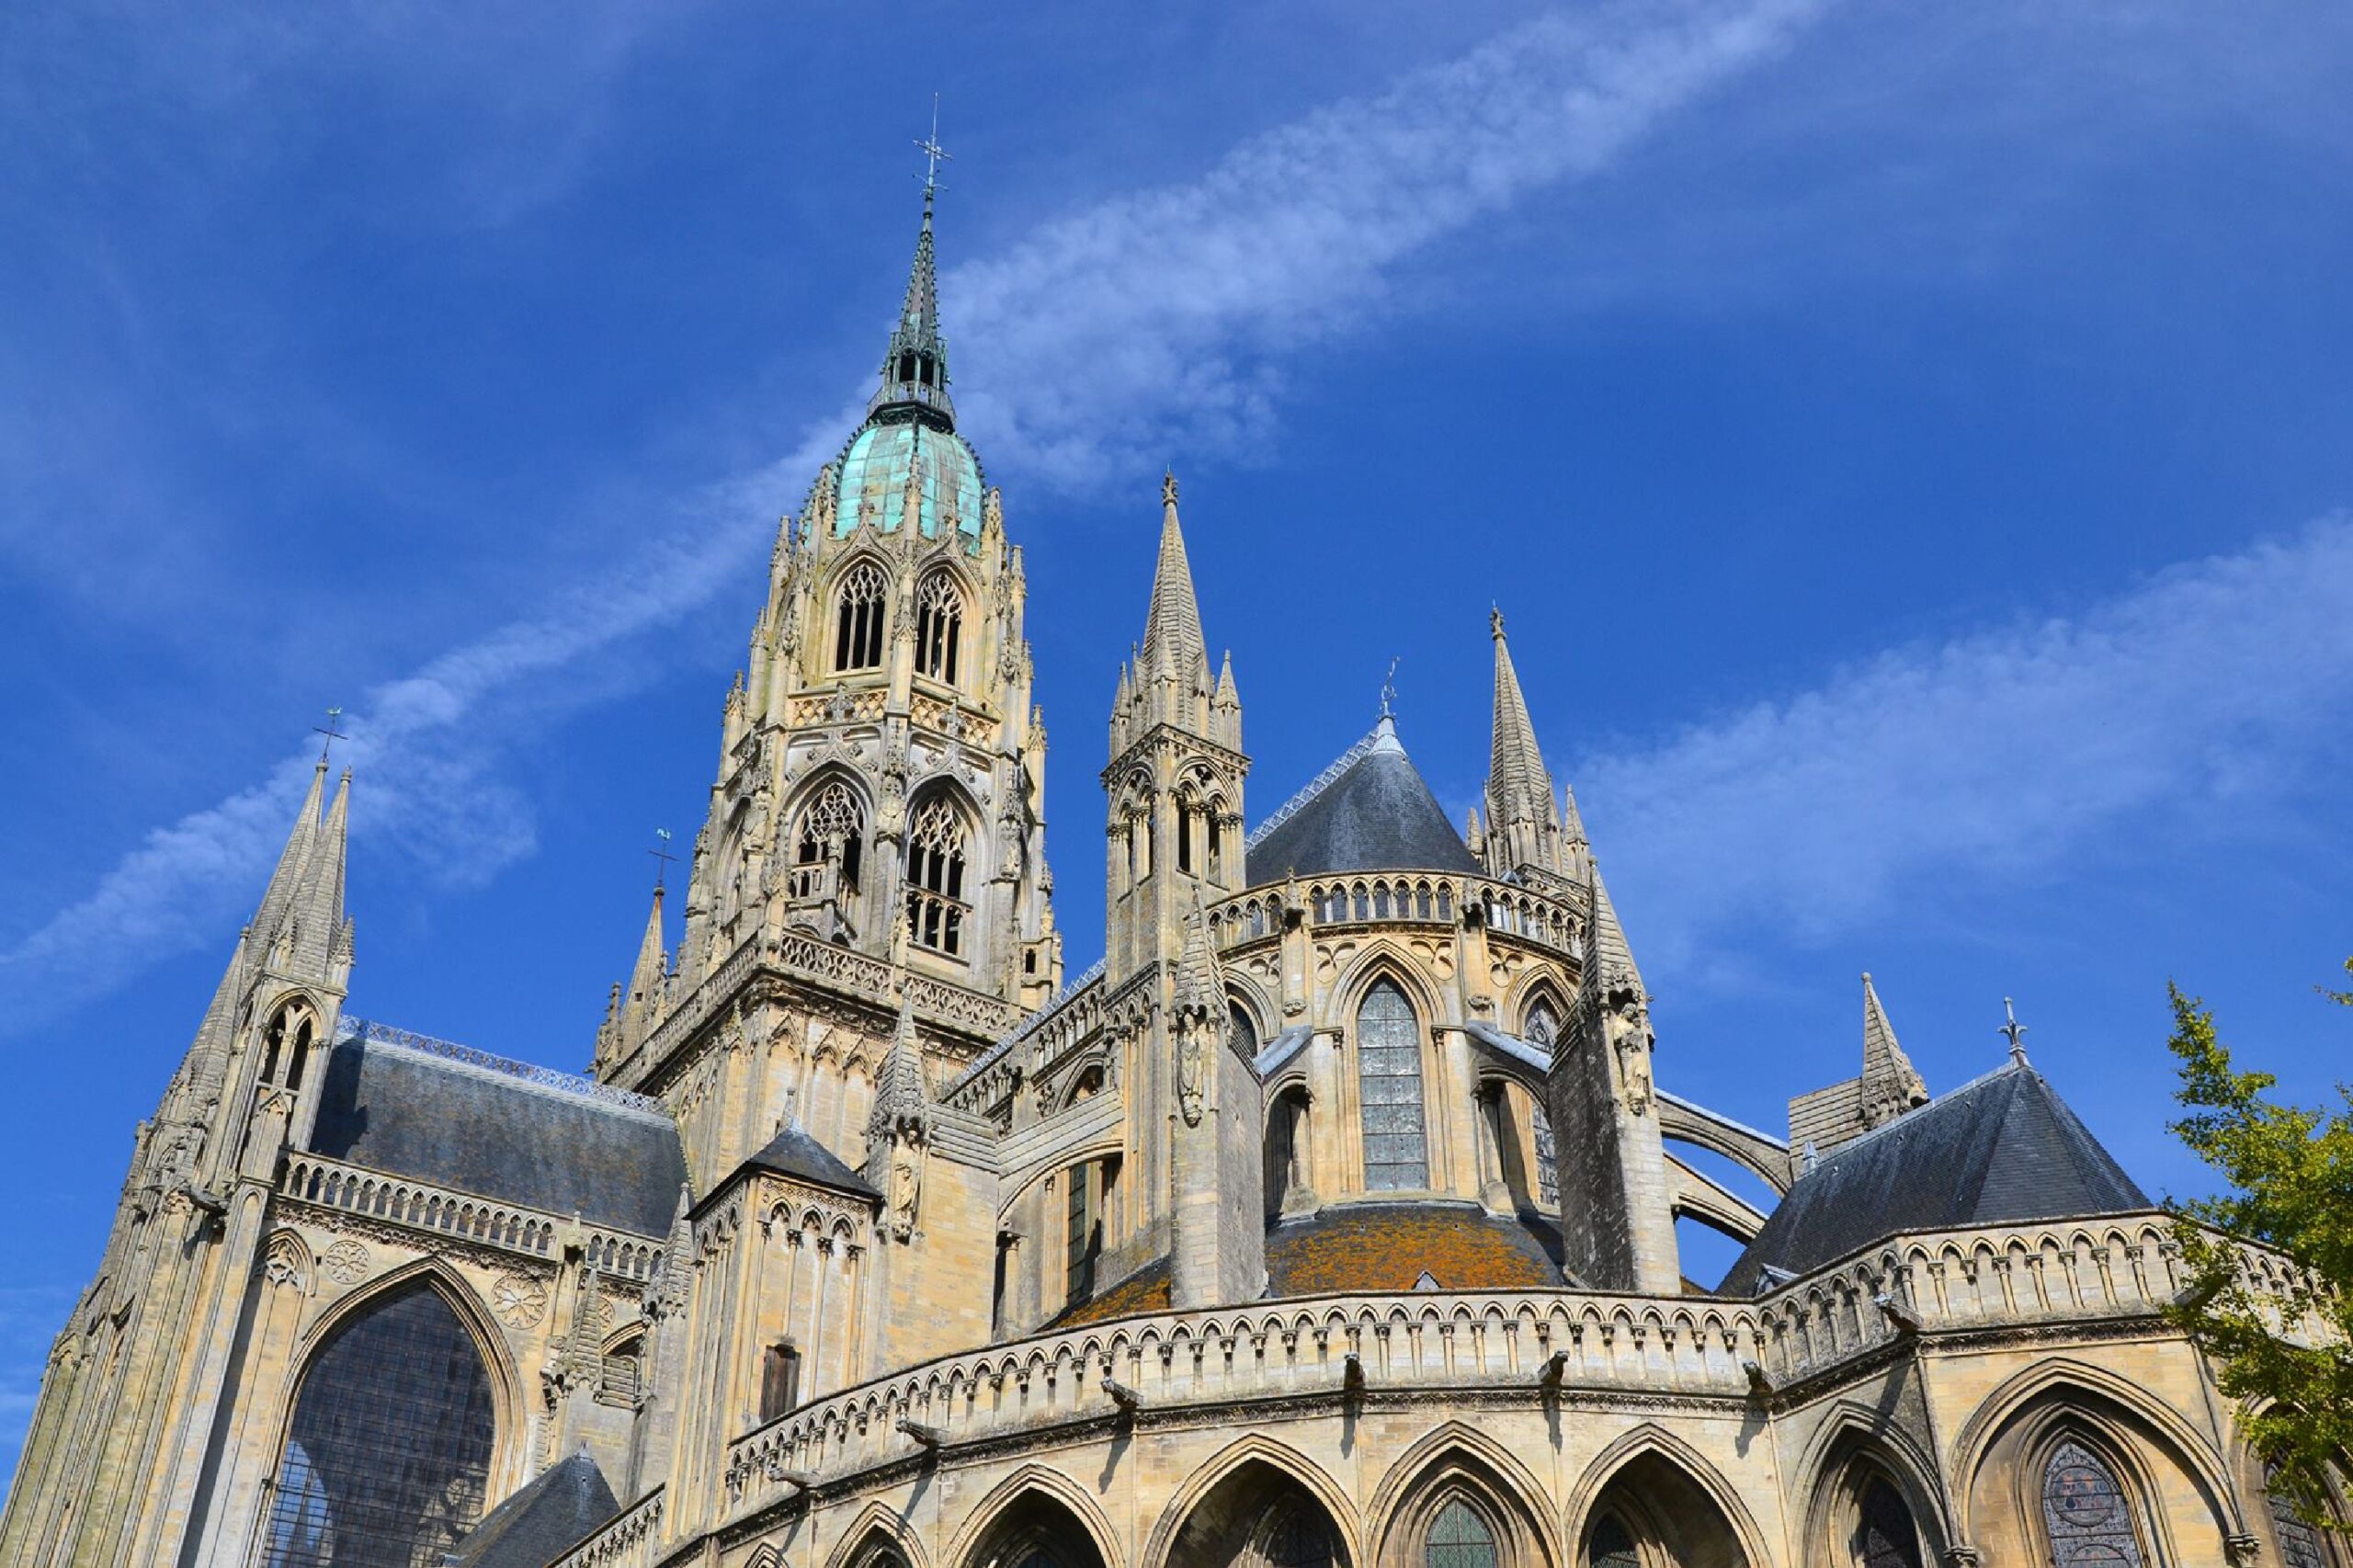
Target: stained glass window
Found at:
389, 1455
1888, 1538
2300, 1544
2085, 1512
1389, 1087
1459, 1538
1610, 1546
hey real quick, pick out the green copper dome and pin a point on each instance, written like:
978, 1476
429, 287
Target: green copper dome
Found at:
881, 463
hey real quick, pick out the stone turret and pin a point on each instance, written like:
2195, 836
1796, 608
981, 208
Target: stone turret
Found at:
1888, 1087
1527, 827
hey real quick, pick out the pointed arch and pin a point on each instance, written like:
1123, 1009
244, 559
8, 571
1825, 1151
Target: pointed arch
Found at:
827, 818
879, 1529
1388, 1040
1385, 959
1456, 1462
943, 834
406, 1365
1853, 1447
1659, 1485
1225, 1501
940, 599
1035, 1512
859, 599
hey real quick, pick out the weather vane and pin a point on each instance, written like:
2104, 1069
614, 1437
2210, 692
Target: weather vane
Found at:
2015, 1031
1389, 691
662, 858
934, 155
328, 729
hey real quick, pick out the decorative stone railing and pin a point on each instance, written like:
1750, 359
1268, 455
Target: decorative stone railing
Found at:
1409, 897
627, 1541
420, 1206
2123, 1267
935, 1000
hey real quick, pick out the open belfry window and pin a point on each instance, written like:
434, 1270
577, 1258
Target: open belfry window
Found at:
939, 628
286, 1044
935, 906
857, 619
832, 827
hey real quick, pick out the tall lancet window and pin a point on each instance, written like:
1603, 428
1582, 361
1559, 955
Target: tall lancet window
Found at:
387, 1456
1544, 1029
286, 1045
1388, 1088
2085, 1512
2300, 1544
935, 906
939, 627
827, 852
857, 619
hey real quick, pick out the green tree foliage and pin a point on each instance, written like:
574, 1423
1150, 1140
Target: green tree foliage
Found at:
2287, 1359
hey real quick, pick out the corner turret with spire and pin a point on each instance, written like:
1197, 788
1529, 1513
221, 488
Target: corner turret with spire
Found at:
1528, 827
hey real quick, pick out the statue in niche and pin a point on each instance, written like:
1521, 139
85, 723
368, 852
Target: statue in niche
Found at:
905, 1183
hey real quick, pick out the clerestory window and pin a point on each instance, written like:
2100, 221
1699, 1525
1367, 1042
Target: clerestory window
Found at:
1388, 1089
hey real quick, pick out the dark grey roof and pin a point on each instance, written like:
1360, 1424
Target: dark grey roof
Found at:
1377, 815
554, 1512
794, 1153
495, 1135
2002, 1149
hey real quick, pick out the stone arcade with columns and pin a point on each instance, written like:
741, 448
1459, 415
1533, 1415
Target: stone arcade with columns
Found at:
1328, 1223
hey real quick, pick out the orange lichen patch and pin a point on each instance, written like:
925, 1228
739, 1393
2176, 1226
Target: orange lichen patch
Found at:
1146, 1290
1390, 1248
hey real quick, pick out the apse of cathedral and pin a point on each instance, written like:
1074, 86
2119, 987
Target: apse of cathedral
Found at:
1329, 1220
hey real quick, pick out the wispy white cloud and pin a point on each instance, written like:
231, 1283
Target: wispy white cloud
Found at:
2202, 694
1155, 320
1154, 312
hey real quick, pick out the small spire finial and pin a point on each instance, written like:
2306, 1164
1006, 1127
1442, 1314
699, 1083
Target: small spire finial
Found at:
1389, 690
2015, 1032
333, 734
1495, 621
1168, 486
662, 857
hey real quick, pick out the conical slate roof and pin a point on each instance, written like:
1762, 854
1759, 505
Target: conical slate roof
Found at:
1374, 814
2003, 1150
552, 1513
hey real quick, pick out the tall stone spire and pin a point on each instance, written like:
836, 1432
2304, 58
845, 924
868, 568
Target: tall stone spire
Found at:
287, 879
1173, 644
1608, 962
915, 364
1524, 826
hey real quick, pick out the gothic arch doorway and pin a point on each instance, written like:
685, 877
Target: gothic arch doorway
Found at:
388, 1455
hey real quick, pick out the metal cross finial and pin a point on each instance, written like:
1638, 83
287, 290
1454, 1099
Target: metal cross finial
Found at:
2016, 1031
934, 155
662, 858
333, 734
1389, 691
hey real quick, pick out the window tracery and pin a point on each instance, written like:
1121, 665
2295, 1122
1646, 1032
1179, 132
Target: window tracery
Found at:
387, 1458
2299, 1543
939, 628
1459, 1538
935, 906
830, 844
1389, 1085
857, 619
1887, 1537
2086, 1511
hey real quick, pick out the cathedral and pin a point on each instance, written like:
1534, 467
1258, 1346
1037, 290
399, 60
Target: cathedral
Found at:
1328, 1221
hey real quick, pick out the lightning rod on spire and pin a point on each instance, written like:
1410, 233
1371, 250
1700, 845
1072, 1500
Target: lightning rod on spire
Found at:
333, 734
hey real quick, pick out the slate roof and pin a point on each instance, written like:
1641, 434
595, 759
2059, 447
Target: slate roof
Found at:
2003, 1150
554, 1512
409, 1112
795, 1153
1377, 815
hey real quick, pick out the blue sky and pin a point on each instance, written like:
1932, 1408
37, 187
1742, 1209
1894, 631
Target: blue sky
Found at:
1909, 443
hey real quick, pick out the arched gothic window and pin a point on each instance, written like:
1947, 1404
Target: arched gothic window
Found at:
939, 627
387, 1456
1458, 1538
1388, 1089
935, 906
1082, 1240
857, 619
286, 1044
1610, 1545
2300, 1544
1241, 1031
1293, 1535
2085, 1512
1887, 1538
830, 843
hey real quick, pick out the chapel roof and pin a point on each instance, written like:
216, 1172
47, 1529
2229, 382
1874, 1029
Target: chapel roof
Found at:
1372, 811
2003, 1150
793, 1152
552, 1513
499, 1131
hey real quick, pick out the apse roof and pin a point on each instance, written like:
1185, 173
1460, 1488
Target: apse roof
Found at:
2002, 1149
1371, 812
552, 1513
500, 1129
